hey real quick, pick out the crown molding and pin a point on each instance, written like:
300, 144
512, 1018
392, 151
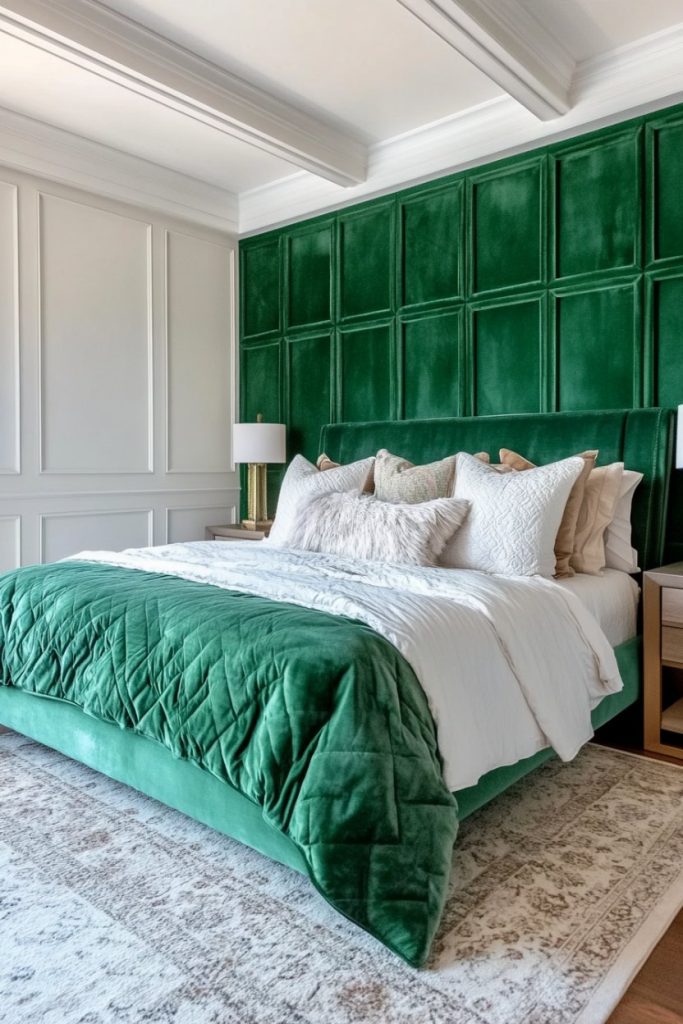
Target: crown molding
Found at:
97, 39
37, 148
635, 79
509, 45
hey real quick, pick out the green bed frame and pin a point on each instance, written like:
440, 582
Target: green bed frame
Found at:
641, 438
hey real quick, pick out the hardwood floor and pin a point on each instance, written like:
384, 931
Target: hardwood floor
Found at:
656, 993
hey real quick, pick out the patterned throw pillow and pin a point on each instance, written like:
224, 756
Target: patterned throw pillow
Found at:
400, 481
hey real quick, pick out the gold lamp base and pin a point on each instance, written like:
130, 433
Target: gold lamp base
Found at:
257, 498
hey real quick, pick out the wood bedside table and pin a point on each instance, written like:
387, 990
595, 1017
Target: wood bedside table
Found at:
663, 654
234, 531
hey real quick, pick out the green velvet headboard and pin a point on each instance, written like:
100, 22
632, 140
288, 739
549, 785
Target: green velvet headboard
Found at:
640, 438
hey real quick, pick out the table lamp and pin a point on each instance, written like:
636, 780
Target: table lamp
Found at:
258, 444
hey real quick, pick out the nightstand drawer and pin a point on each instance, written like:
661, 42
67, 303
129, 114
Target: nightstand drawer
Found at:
672, 607
672, 645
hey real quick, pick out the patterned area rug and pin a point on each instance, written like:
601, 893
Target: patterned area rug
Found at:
116, 910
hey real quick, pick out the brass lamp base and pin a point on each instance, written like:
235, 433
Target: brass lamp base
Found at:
257, 498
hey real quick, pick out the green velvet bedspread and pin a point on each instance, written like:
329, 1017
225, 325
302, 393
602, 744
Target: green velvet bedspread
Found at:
315, 718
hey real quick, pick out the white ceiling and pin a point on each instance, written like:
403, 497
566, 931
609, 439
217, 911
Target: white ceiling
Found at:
358, 93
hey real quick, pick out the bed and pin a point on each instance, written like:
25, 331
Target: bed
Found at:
366, 814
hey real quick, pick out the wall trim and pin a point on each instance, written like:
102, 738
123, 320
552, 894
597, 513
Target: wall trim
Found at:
90, 513
15, 469
637, 79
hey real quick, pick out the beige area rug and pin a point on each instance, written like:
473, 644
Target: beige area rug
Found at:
116, 910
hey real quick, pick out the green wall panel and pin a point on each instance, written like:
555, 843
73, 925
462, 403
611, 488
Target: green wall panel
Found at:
507, 358
549, 279
431, 361
431, 246
367, 373
597, 206
667, 168
366, 261
260, 274
597, 370
506, 235
309, 377
309, 276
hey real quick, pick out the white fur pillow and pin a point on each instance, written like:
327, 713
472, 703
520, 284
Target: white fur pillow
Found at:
361, 526
514, 517
302, 482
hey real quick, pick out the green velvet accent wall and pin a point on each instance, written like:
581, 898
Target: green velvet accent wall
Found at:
549, 280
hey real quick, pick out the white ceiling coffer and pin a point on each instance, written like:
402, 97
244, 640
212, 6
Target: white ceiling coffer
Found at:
505, 41
91, 36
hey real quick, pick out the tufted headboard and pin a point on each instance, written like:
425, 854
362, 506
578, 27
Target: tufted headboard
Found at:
640, 438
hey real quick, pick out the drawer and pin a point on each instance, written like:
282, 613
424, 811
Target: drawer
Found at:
672, 645
672, 607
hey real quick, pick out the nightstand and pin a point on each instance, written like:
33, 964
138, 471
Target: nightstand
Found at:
234, 531
663, 660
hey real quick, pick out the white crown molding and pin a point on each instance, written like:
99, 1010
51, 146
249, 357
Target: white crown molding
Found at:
635, 79
48, 152
506, 42
89, 35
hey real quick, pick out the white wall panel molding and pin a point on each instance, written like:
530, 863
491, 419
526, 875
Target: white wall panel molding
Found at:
506, 42
198, 354
66, 533
185, 523
10, 398
87, 34
41, 149
10, 542
635, 79
96, 373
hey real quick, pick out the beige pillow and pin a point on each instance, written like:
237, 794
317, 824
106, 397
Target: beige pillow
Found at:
566, 535
324, 462
600, 498
398, 480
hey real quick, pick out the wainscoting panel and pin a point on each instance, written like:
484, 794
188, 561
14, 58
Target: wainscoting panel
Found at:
547, 280
185, 524
67, 533
10, 542
95, 362
199, 331
9, 331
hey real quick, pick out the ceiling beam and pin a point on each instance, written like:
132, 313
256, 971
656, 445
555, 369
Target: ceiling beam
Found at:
505, 41
89, 35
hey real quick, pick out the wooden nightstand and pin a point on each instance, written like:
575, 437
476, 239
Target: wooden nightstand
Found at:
663, 655
234, 531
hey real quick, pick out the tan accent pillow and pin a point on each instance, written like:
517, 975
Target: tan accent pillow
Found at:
324, 462
565, 541
400, 481
599, 504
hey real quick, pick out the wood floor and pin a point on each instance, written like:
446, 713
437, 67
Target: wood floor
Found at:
656, 994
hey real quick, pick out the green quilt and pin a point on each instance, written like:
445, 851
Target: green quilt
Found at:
316, 718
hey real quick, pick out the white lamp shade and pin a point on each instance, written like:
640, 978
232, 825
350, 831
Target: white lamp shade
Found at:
259, 442
679, 439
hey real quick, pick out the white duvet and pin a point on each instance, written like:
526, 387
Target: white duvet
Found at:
509, 665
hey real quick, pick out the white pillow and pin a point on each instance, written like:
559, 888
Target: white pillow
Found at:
302, 482
619, 554
513, 519
361, 526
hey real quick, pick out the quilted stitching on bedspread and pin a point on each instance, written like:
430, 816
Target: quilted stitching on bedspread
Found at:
315, 717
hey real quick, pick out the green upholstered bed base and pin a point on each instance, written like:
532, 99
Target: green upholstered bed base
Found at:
642, 438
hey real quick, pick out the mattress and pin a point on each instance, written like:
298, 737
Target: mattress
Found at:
612, 599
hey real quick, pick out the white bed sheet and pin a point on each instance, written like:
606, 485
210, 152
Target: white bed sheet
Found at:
509, 665
612, 599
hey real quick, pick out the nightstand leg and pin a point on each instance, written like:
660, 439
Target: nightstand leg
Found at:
652, 664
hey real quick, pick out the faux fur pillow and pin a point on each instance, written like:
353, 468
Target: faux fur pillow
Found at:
564, 542
359, 525
302, 482
514, 517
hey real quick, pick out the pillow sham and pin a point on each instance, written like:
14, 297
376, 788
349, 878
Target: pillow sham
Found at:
399, 480
513, 518
619, 553
359, 525
597, 510
564, 542
302, 482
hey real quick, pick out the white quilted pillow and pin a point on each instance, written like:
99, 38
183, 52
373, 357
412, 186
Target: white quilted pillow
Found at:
304, 481
514, 517
361, 526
